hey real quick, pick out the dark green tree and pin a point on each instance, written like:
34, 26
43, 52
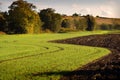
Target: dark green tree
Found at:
75, 15
117, 26
65, 23
52, 20
56, 22
90, 23
3, 22
23, 18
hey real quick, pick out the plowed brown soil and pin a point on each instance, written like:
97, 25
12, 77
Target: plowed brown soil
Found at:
106, 68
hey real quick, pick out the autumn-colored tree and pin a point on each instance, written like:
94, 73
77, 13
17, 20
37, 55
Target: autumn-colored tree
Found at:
23, 18
80, 24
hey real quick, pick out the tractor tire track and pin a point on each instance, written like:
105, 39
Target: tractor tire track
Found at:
58, 50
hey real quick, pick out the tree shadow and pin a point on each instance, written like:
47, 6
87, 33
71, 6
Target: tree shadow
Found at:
84, 74
65, 73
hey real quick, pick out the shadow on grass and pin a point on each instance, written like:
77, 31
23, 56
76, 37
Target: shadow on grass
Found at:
65, 73
84, 74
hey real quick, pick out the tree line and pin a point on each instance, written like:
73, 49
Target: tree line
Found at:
22, 18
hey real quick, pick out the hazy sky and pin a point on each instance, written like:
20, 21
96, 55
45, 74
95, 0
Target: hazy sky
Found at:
105, 8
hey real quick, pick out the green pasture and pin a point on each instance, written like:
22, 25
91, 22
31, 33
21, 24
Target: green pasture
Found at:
32, 57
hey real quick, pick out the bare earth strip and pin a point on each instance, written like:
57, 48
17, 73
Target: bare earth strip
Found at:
106, 68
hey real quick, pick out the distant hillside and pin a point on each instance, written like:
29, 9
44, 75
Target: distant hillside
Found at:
102, 23
102, 20
99, 20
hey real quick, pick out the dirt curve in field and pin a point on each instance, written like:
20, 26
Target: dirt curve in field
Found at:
105, 68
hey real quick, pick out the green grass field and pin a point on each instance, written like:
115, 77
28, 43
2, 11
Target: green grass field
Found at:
25, 57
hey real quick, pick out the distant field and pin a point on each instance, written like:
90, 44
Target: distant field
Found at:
107, 20
99, 20
29, 57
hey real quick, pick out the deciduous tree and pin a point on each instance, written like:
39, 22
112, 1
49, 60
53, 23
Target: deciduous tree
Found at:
3, 22
52, 20
23, 18
90, 23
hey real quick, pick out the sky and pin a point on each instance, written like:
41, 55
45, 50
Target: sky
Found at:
103, 8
